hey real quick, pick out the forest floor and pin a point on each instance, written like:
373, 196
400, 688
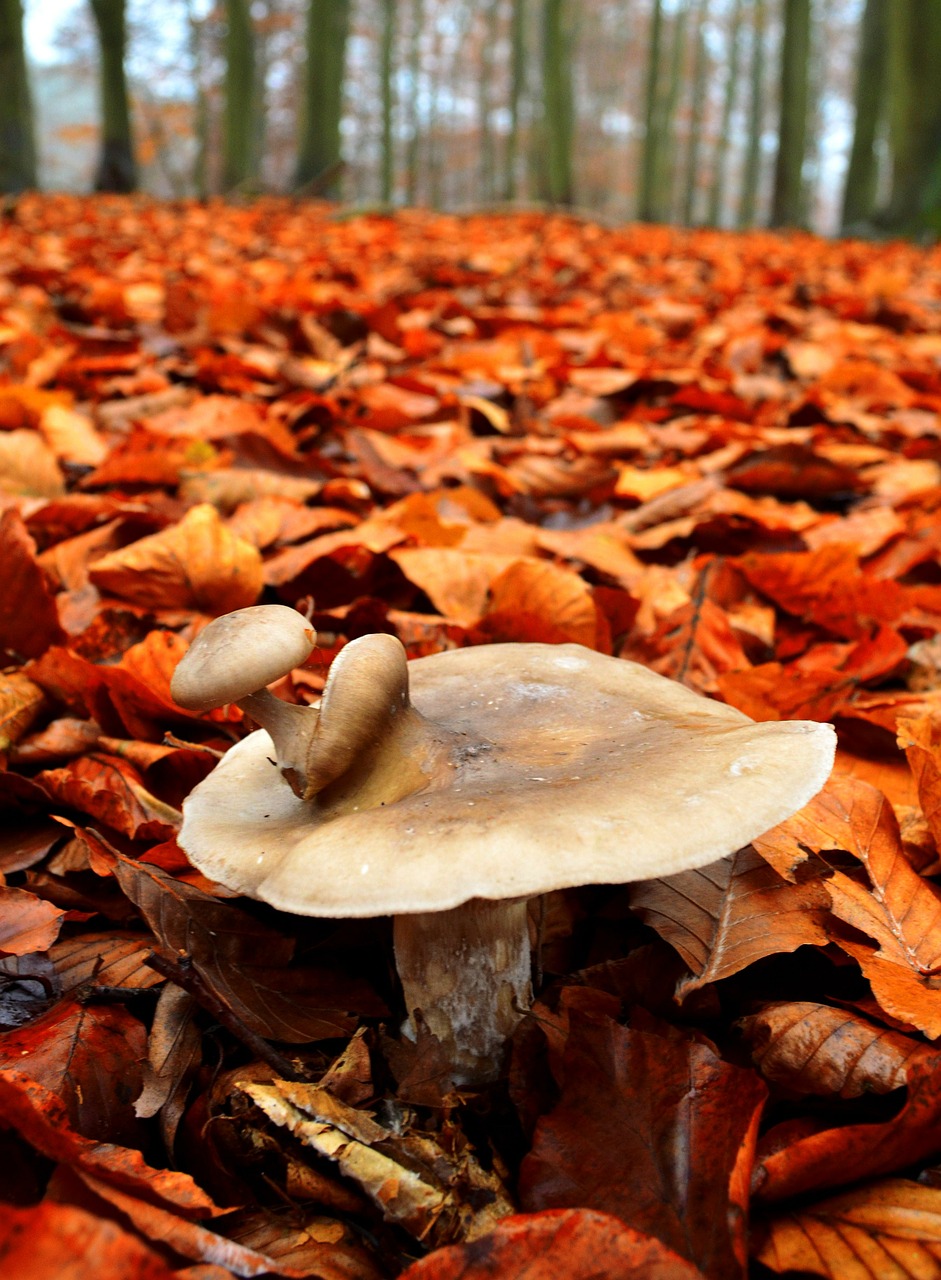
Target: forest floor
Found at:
717, 455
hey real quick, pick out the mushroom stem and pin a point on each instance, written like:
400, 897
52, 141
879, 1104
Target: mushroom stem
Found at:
466, 973
291, 729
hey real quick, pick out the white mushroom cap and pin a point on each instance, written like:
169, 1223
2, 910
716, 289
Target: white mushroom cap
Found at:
240, 653
565, 768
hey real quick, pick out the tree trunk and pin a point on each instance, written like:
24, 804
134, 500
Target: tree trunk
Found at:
319, 158
385, 74
914, 117
697, 104
558, 103
517, 86
117, 168
720, 159
665, 151
238, 122
756, 110
488, 164
17, 145
650, 161
788, 201
413, 147
862, 174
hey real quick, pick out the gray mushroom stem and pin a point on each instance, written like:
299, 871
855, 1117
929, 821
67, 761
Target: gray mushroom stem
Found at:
290, 727
466, 974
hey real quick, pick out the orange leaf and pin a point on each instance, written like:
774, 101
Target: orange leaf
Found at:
27, 923
29, 622
886, 1228
920, 738
579, 1244
196, 564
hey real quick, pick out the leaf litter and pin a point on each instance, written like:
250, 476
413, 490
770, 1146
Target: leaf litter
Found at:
516, 427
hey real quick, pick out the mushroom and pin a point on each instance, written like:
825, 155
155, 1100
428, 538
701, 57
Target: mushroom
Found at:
448, 791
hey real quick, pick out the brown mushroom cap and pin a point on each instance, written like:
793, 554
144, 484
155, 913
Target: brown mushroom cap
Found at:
570, 768
240, 653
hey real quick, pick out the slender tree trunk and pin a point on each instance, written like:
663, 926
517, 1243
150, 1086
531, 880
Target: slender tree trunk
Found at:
385, 73
412, 151
756, 112
17, 144
238, 122
666, 148
646, 203
558, 102
488, 161
117, 168
517, 85
720, 159
201, 104
788, 200
697, 105
862, 174
319, 158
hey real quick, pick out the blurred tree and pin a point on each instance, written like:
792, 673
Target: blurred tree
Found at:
319, 158
756, 110
386, 75
787, 207
862, 174
558, 40
412, 150
720, 156
485, 87
665, 151
17, 146
653, 139
914, 117
238, 132
516, 90
696, 109
117, 168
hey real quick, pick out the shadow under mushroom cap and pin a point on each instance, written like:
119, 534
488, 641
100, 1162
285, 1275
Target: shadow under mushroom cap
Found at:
578, 769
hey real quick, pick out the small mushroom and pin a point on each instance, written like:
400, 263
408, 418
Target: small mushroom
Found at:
458, 786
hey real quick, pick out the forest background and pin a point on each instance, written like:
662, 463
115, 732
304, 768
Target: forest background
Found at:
733, 113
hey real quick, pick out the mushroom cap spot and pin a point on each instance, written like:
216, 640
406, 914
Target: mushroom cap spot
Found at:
578, 769
240, 653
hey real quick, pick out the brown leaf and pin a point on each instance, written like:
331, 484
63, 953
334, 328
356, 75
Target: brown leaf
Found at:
174, 1052
630, 1100
196, 564
731, 913
28, 465
225, 945
89, 1055
579, 1244
21, 701
106, 959
27, 923
890, 1228
814, 1048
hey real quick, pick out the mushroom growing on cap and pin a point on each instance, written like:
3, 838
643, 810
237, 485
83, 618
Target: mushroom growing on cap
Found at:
448, 791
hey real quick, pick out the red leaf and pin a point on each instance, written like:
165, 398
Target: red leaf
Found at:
577, 1244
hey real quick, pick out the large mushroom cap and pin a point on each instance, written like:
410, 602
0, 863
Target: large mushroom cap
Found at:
240, 653
571, 768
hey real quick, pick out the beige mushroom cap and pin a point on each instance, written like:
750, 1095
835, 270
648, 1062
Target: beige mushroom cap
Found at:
576, 768
240, 653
